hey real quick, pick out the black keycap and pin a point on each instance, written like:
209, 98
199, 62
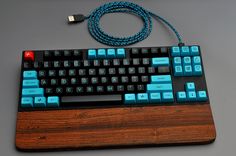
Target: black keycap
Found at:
73, 81
67, 53
100, 89
67, 64
89, 89
126, 62
116, 62
94, 80
92, 72
59, 90
104, 80
82, 72
54, 82
112, 71
130, 88
145, 61
76, 63
79, 90
86, 63
124, 79
62, 73
102, 71
69, 90
77, 53
51, 73
163, 70
56, 64
131, 70
141, 70
144, 79
57, 53
136, 62
49, 91
72, 72
106, 62
46, 64
154, 51
47, 54
64, 81
114, 79
140, 88
144, 51
68, 101
110, 88
134, 79
121, 71
164, 51
84, 80
27, 65
37, 65
134, 51
120, 88
42, 73
151, 70
44, 82
96, 63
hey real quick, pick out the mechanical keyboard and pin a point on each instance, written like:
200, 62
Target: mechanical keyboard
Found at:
114, 77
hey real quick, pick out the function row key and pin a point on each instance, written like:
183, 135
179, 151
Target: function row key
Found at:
63, 53
149, 52
106, 53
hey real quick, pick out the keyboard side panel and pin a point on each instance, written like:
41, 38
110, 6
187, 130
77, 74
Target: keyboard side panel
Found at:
114, 127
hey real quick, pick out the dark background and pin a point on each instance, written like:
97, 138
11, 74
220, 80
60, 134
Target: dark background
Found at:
42, 24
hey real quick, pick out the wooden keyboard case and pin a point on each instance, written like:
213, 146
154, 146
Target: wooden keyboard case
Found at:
114, 127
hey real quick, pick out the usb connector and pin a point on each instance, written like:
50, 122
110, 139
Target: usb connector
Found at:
76, 18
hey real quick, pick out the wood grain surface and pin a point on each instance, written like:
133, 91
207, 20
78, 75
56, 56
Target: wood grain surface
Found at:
114, 127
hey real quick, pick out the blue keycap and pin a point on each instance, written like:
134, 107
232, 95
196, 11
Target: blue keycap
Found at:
154, 97
130, 99
194, 50
161, 79
31, 74
187, 60
111, 53
160, 61
30, 83
181, 96
159, 87
185, 51
120, 53
53, 101
32, 92
202, 95
197, 70
175, 51
188, 70
191, 96
190, 86
40, 102
177, 61
196, 60
142, 98
92, 54
26, 102
178, 71
167, 97
101, 53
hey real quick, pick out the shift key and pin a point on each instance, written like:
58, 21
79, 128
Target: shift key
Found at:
32, 92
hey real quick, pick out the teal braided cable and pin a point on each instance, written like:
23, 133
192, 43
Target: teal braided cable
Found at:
125, 7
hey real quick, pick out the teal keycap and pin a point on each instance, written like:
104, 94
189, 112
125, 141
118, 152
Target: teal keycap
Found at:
188, 70
160, 79
181, 96
202, 95
120, 53
167, 97
142, 98
175, 51
185, 51
191, 96
30, 83
190, 86
177, 61
194, 50
53, 101
187, 60
160, 61
32, 92
196, 60
111, 53
178, 71
92, 54
40, 102
101, 53
197, 70
30, 74
159, 87
130, 99
155, 97
26, 102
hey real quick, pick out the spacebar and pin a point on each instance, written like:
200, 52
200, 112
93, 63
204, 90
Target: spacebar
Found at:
90, 100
